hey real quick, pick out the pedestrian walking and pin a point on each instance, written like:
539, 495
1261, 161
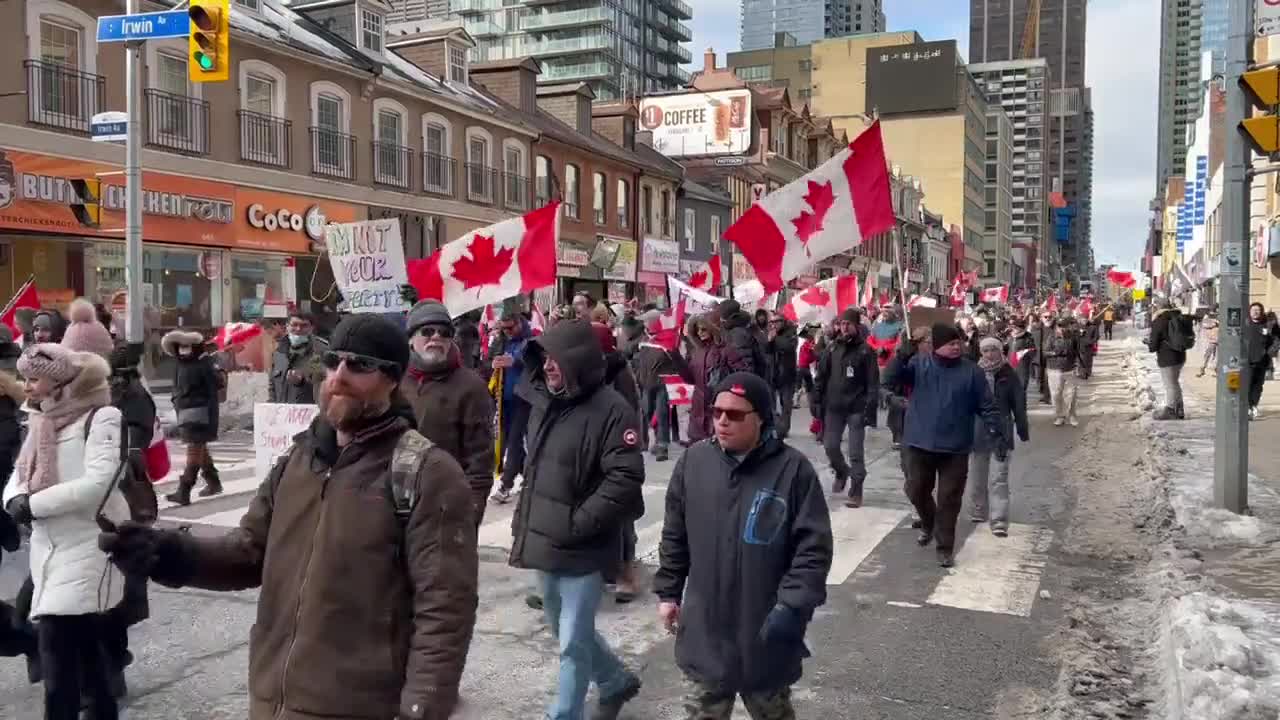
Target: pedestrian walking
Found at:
1062, 362
506, 355
710, 360
947, 393
652, 361
846, 393
617, 374
451, 403
783, 354
741, 334
1209, 327
583, 479
1022, 345
1172, 335
364, 520
746, 548
1261, 341
988, 472
65, 480
1108, 321
296, 370
1042, 333
196, 384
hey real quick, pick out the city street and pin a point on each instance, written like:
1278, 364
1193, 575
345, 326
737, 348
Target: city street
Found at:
898, 639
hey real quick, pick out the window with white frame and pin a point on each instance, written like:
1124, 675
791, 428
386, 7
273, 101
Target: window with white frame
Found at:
370, 31
571, 191
515, 184
391, 159
169, 111
254, 5
715, 234
623, 201
457, 64
260, 94
66, 98
330, 143
264, 134
690, 229
479, 170
542, 180
437, 165
598, 198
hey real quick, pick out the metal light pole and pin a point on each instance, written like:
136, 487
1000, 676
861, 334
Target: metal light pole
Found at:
1231, 422
133, 84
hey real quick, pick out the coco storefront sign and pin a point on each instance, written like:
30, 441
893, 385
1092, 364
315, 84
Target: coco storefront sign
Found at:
36, 195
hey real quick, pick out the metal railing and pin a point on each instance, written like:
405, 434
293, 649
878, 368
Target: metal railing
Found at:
333, 153
265, 139
515, 192
576, 71
177, 122
623, 220
480, 182
438, 173
588, 16
62, 96
391, 163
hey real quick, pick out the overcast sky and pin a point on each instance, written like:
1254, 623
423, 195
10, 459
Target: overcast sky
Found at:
1122, 65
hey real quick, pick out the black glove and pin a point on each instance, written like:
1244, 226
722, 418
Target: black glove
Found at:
10, 538
782, 626
141, 550
19, 509
409, 294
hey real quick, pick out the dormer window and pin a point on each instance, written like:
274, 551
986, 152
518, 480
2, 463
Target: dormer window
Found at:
457, 65
370, 31
253, 5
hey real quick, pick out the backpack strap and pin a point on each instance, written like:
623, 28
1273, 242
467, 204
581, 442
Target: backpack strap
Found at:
124, 432
410, 452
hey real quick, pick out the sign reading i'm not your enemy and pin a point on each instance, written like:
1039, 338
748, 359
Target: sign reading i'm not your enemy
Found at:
368, 264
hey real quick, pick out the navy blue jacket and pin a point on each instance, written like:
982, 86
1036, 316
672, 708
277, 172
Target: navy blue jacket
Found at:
944, 402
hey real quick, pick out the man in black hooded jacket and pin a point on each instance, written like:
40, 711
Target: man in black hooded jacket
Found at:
582, 483
740, 334
746, 548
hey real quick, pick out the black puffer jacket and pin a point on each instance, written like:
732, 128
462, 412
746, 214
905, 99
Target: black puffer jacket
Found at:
195, 385
783, 349
136, 406
740, 334
1158, 342
584, 471
738, 539
848, 379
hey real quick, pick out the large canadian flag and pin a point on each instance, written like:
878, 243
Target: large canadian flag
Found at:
708, 277
664, 330
824, 301
832, 209
998, 294
26, 297
1123, 278
236, 333
491, 264
922, 301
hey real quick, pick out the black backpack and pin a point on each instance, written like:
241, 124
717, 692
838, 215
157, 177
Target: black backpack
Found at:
131, 478
1181, 335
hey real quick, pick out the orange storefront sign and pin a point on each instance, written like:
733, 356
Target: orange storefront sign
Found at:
36, 196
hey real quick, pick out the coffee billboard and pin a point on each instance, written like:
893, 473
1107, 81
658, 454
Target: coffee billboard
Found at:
699, 124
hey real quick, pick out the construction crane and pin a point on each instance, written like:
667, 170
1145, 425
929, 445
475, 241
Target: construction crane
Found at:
1031, 31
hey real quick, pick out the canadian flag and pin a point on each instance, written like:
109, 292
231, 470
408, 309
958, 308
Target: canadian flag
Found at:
538, 323
824, 301
26, 297
869, 292
1123, 278
922, 301
1086, 308
1015, 357
236, 333
832, 209
884, 298
1052, 303
998, 294
679, 392
493, 263
957, 291
708, 277
488, 321
664, 330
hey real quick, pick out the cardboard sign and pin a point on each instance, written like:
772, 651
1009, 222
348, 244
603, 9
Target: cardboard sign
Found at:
368, 264
926, 317
274, 425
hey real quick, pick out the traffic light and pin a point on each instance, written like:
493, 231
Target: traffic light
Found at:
1262, 88
87, 206
209, 41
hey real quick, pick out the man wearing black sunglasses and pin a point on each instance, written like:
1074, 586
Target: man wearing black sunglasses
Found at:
362, 520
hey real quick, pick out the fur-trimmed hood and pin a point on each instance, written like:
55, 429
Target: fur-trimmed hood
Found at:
172, 339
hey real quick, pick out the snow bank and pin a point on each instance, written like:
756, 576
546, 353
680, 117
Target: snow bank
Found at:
244, 390
1226, 658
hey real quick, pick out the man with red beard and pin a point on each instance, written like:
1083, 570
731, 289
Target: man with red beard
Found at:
451, 403
363, 520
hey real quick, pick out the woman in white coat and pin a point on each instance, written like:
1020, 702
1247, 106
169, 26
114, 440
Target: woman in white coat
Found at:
65, 476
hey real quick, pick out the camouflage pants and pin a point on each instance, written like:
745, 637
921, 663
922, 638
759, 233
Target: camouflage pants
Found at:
703, 704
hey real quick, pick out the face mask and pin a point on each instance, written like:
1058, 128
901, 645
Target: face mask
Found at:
296, 340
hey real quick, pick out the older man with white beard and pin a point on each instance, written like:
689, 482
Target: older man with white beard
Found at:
451, 403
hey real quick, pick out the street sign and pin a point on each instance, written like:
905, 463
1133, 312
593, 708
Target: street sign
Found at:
1266, 17
109, 126
143, 26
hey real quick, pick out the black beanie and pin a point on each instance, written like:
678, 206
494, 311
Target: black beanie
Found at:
754, 390
372, 336
853, 315
944, 333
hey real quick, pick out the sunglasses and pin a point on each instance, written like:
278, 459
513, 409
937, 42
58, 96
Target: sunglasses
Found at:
735, 416
441, 331
358, 364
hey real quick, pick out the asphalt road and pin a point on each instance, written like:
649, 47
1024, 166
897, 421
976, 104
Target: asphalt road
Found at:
899, 638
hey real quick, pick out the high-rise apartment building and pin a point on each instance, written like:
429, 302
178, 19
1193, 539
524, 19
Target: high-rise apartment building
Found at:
621, 48
997, 241
1181, 34
1213, 33
998, 31
1019, 87
807, 20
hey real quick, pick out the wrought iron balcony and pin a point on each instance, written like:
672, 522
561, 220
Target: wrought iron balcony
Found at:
333, 153
62, 96
438, 173
481, 180
177, 122
391, 164
265, 139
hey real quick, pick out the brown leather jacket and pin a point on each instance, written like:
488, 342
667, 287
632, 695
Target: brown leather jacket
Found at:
353, 622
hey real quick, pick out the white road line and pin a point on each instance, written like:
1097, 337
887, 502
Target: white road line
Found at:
996, 575
226, 518
903, 604
856, 534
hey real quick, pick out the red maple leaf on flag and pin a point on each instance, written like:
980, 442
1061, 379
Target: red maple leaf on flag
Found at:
698, 278
485, 266
816, 295
820, 200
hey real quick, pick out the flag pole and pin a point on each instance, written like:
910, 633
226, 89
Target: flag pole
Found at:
14, 300
902, 288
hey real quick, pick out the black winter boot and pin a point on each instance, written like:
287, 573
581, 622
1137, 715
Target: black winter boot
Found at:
212, 483
182, 496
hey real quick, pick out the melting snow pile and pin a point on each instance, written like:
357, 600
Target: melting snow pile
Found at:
1227, 655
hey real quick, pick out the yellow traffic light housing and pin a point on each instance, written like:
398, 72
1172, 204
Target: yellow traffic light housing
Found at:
1262, 88
209, 41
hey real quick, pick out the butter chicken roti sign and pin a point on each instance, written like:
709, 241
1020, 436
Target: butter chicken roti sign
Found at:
368, 264
693, 124
274, 425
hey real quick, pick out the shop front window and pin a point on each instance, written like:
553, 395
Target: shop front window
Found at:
257, 288
175, 290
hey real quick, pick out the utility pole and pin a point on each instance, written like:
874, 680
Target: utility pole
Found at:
133, 84
1231, 422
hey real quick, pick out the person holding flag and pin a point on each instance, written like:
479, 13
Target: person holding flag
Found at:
506, 357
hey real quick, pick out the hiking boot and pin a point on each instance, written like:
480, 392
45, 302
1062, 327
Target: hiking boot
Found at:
924, 537
1165, 413
854, 501
837, 485
1181, 412
1000, 531
609, 708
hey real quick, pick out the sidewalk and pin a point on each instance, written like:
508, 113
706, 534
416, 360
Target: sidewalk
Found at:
1264, 452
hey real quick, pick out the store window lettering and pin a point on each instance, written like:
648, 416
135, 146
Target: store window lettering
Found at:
53, 189
311, 222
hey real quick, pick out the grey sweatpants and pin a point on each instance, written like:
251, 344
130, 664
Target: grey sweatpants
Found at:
989, 488
832, 432
1172, 379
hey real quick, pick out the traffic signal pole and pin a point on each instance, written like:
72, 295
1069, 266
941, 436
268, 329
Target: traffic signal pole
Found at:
1231, 422
133, 83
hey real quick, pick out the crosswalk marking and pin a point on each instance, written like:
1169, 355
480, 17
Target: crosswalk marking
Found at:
856, 534
997, 575
226, 518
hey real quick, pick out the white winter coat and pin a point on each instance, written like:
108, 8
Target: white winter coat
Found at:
72, 576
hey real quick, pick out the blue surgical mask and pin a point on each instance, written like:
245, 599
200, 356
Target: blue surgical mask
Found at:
296, 340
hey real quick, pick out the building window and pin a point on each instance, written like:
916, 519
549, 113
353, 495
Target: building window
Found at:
571, 191
690, 229
542, 180
437, 155
664, 215
646, 209
391, 158
249, 4
598, 198
260, 94
623, 202
715, 234
479, 170
515, 182
457, 65
171, 74
754, 73
371, 31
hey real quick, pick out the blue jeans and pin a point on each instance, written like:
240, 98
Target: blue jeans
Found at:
569, 603
655, 402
